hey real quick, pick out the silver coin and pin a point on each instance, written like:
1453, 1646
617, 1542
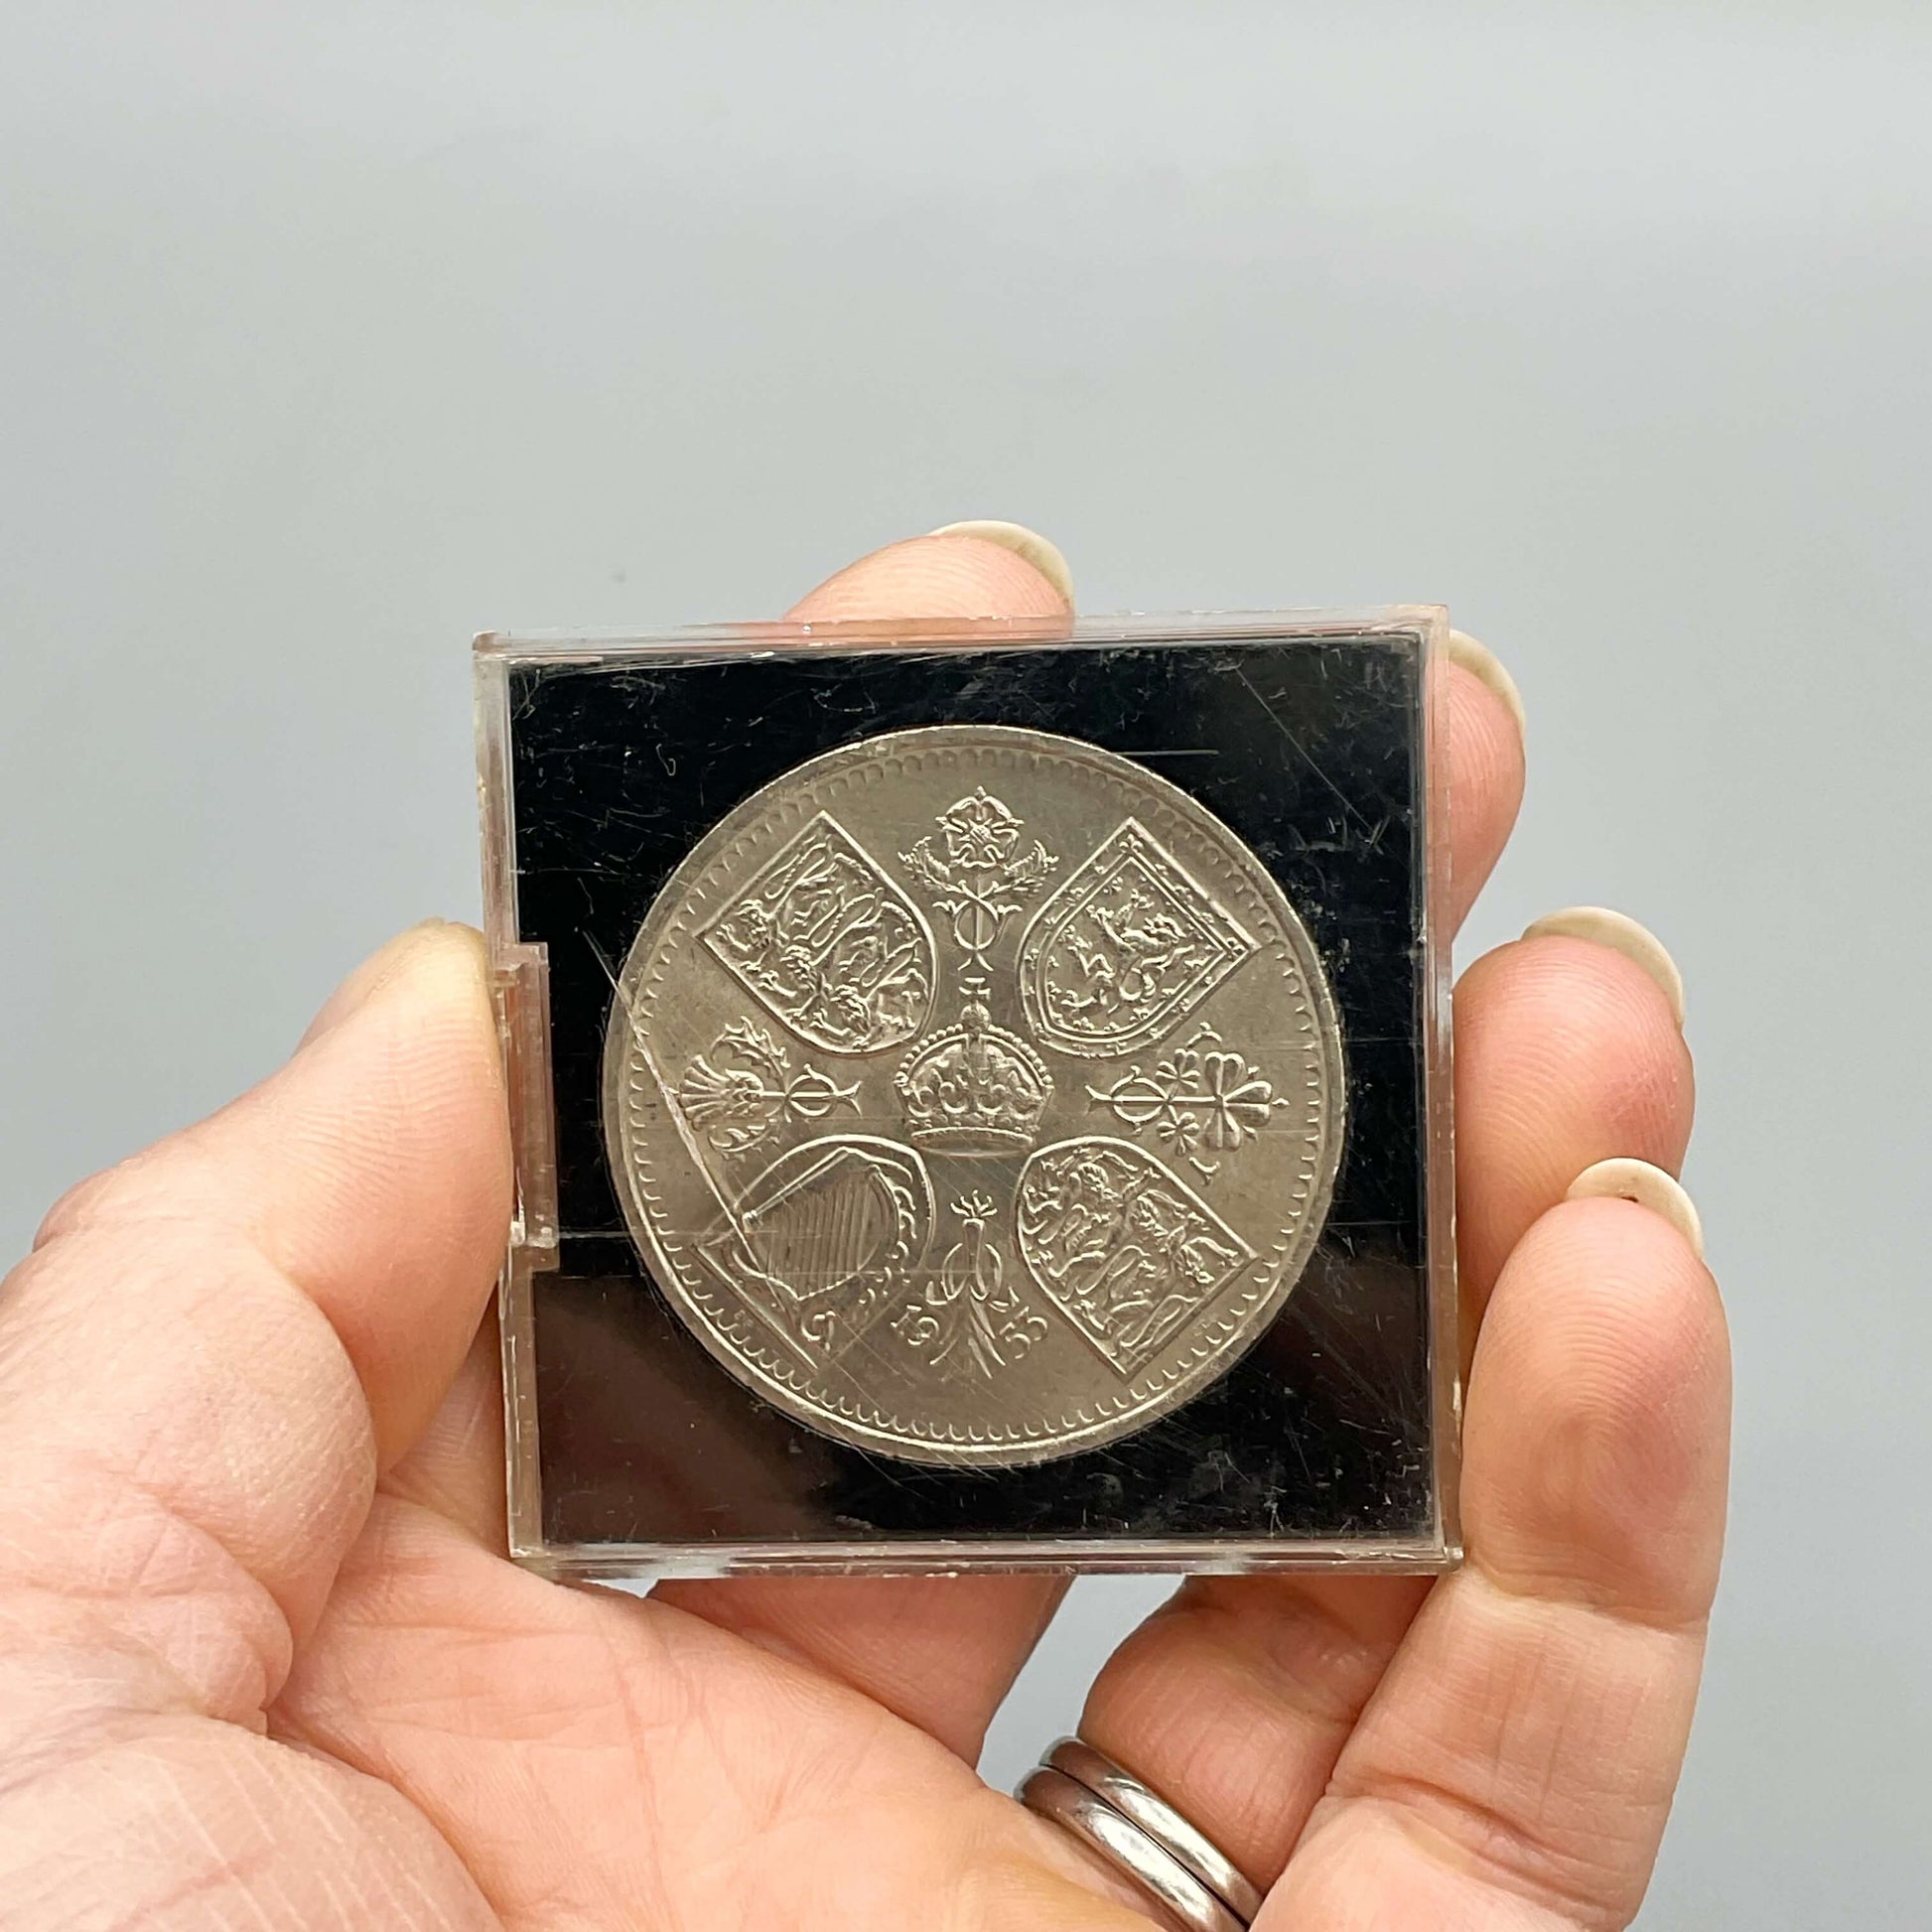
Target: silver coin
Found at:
974, 1096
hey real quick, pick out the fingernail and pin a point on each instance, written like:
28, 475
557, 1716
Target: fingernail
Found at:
1648, 1186
1621, 934
1023, 542
361, 985
1486, 667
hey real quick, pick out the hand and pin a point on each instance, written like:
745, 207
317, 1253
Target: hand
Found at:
264, 1663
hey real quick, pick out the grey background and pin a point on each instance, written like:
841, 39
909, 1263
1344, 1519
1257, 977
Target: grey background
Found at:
331, 334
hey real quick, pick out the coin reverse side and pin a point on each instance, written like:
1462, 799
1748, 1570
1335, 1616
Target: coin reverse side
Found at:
974, 1096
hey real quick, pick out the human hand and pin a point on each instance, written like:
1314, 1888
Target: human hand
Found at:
264, 1662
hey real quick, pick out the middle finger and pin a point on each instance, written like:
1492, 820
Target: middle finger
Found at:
943, 1653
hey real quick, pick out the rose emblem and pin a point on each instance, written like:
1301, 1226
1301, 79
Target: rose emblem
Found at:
978, 831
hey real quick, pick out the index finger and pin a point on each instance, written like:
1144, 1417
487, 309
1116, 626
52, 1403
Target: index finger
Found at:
939, 1652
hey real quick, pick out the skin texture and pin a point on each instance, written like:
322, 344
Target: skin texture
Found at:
264, 1664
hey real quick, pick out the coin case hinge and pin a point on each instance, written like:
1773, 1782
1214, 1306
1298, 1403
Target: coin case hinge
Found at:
519, 983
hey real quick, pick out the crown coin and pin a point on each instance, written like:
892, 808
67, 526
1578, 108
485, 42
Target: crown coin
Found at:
973, 1095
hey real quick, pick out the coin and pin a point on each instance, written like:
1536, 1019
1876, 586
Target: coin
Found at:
973, 1094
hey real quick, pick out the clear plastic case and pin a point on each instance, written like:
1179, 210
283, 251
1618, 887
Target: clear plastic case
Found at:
980, 1093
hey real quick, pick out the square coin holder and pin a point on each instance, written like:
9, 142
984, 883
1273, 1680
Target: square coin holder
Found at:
980, 1094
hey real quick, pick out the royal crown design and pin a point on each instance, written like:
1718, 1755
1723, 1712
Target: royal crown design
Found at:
974, 1088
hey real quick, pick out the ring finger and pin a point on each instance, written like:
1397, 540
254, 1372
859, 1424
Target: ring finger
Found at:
1234, 1700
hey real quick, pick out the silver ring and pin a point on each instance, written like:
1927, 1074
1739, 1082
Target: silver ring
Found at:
1141, 1835
1128, 1849
1175, 1835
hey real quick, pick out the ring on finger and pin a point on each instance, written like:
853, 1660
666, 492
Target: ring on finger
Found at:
1141, 1835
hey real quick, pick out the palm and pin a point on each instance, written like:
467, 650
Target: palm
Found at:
267, 1665
597, 1760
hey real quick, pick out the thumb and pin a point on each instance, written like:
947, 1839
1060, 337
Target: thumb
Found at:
216, 1344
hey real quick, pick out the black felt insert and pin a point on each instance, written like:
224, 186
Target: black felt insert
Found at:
1311, 752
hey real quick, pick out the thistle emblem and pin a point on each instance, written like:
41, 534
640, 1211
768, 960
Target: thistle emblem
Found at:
738, 1092
984, 878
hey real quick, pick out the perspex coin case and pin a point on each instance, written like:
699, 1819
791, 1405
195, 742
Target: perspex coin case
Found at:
980, 1094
